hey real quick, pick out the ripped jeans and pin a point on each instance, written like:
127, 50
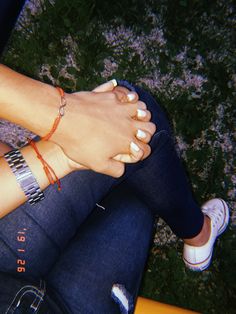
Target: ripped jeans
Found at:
83, 250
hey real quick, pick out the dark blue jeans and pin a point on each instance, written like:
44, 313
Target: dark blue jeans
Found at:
82, 249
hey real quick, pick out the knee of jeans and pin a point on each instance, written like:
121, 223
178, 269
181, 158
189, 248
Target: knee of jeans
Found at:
160, 139
123, 298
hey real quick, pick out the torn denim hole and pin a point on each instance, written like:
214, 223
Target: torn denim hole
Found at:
100, 206
123, 298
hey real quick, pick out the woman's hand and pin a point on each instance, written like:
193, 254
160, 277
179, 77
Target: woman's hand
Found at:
125, 95
97, 127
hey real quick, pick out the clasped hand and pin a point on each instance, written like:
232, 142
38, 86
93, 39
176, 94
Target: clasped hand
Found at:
104, 129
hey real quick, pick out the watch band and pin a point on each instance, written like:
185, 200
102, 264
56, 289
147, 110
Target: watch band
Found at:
24, 176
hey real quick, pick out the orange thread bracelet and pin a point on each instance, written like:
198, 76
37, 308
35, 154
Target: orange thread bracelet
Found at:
46, 167
61, 113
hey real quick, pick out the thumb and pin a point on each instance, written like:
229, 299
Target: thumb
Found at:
106, 87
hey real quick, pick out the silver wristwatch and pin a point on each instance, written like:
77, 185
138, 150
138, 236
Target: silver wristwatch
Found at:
24, 176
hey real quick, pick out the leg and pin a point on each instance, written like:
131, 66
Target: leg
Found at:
198, 227
162, 182
110, 248
173, 200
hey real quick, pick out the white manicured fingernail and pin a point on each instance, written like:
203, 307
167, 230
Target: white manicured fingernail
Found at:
141, 113
114, 82
131, 97
134, 147
141, 134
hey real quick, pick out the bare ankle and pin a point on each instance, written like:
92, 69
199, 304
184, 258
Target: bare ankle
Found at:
203, 236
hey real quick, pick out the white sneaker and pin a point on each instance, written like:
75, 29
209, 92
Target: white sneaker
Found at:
199, 258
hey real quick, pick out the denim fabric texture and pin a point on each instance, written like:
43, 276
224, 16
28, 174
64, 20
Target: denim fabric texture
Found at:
95, 233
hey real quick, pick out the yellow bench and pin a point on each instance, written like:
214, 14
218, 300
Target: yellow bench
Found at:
147, 306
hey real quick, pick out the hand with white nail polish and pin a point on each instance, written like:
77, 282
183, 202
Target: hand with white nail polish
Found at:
141, 134
141, 113
144, 134
97, 125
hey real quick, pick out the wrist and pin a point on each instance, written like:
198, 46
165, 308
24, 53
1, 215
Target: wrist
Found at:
27, 102
52, 154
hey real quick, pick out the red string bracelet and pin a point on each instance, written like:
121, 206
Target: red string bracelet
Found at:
61, 113
46, 167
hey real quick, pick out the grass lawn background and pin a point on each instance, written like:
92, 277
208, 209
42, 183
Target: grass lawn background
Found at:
183, 52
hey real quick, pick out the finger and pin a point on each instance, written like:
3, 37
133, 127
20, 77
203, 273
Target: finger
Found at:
135, 151
127, 95
126, 158
106, 87
135, 154
149, 127
115, 168
130, 97
143, 115
122, 89
143, 136
145, 148
142, 105
138, 112
122, 96
138, 105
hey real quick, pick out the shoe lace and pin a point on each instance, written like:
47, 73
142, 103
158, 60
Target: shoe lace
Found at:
215, 214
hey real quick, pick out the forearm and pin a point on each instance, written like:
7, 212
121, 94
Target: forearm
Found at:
11, 194
97, 130
27, 102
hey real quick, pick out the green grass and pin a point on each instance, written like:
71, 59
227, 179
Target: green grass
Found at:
68, 44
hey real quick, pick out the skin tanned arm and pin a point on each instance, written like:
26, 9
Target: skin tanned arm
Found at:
83, 130
12, 195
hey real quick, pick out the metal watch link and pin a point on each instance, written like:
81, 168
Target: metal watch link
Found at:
24, 176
